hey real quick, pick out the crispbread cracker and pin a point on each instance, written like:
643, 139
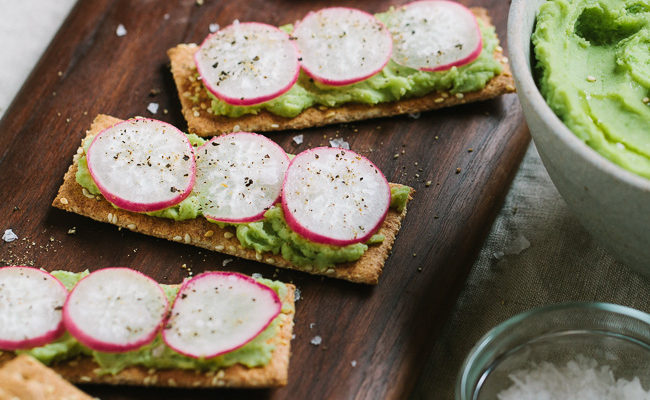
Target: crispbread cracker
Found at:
274, 374
24, 378
200, 232
202, 123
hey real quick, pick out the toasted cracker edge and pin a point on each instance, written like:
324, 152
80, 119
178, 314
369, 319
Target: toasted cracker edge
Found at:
25, 378
274, 374
199, 232
202, 123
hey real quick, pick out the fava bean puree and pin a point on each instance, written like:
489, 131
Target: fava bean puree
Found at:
593, 59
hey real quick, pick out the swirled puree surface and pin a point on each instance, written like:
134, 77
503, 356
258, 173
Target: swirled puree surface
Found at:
593, 61
272, 234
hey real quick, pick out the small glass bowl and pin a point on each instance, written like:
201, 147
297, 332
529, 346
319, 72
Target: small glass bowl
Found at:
612, 335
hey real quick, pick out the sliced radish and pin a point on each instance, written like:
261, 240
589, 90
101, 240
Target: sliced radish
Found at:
30, 307
340, 46
218, 312
239, 176
334, 196
115, 310
142, 164
248, 63
434, 35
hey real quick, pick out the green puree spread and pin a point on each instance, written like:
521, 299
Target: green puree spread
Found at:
156, 354
272, 234
593, 59
393, 83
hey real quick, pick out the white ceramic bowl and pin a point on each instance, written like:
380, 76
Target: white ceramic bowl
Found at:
612, 203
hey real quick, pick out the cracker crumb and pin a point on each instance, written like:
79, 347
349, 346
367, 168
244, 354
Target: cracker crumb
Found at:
63, 200
228, 235
209, 233
439, 100
219, 247
187, 238
459, 95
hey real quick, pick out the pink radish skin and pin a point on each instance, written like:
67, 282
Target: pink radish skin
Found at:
139, 206
93, 342
310, 234
41, 338
341, 82
464, 60
191, 288
213, 176
240, 100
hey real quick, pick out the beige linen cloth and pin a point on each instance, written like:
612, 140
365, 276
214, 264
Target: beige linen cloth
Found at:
557, 262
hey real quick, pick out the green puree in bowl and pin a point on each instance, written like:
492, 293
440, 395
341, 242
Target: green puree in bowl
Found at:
156, 354
593, 60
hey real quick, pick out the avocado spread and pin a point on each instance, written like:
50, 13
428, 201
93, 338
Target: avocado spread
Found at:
393, 83
593, 62
156, 354
272, 234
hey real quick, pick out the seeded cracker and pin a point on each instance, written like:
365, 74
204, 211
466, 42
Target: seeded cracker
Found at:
71, 198
24, 378
202, 123
274, 374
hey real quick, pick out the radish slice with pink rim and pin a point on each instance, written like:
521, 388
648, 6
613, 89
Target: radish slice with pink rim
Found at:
341, 46
142, 165
218, 312
115, 310
334, 196
434, 35
248, 63
239, 176
30, 307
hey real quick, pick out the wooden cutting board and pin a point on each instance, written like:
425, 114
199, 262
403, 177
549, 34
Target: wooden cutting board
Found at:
374, 339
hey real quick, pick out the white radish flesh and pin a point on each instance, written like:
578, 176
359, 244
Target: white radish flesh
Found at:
142, 165
434, 35
340, 46
248, 63
115, 310
218, 312
31, 301
334, 196
239, 176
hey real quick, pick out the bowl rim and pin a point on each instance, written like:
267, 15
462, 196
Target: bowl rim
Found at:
488, 338
522, 73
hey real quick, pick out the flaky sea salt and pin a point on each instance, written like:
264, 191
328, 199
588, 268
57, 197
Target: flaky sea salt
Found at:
297, 295
414, 115
257, 275
340, 143
316, 340
226, 262
518, 245
213, 28
579, 379
120, 31
152, 108
312, 325
353, 363
298, 138
9, 236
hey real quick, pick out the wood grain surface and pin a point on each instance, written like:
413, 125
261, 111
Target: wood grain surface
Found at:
468, 153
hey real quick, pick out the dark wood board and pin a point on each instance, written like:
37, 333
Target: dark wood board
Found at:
388, 329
